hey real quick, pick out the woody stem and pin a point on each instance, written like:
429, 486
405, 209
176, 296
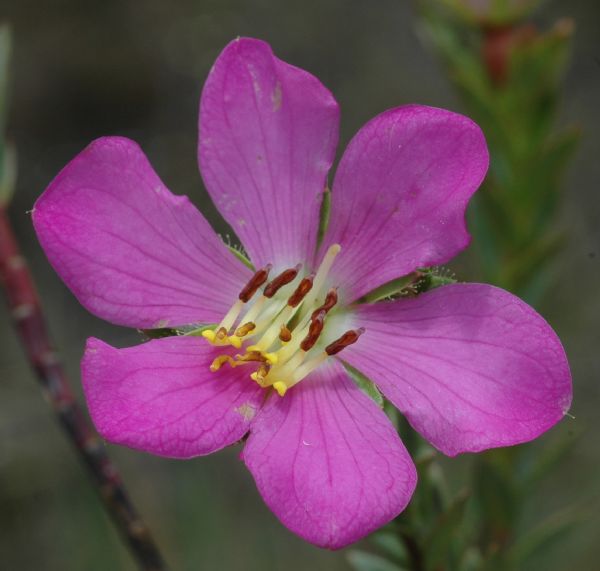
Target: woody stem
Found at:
26, 312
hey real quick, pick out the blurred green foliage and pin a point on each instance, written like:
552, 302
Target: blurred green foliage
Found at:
509, 77
8, 157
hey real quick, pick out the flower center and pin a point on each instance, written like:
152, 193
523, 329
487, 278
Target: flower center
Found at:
281, 331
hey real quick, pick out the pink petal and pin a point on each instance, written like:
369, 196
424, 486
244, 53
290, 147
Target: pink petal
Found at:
161, 397
400, 194
268, 133
471, 366
132, 252
327, 460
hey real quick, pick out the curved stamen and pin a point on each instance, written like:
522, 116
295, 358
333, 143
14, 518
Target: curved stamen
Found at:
258, 279
285, 335
330, 300
344, 341
348, 338
301, 291
322, 272
314, 331
246, 328
284, 278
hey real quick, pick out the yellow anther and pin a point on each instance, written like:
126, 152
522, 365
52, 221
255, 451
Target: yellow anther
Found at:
209, 334
220, 361
220, 339
259, 378
271, 358
244, 329
280, 387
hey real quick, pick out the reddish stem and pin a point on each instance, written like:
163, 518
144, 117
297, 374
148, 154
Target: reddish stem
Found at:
26, 312
498, 43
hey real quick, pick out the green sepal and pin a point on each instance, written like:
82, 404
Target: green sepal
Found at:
391, 289
159, 333
324, 213
240, 256
197, 331
433, 278
365, 385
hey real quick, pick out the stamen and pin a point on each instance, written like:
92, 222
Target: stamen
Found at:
255, 310
251, 356
314, 331
282, 386
244, 329
285, 335
211, 336
220, 361
322, 272
330, 300
273, 331
261, 374
344, 341
258, 279
281, 280
300, 293
287, 331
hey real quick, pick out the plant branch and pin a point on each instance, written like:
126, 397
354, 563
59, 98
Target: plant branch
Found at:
26, 312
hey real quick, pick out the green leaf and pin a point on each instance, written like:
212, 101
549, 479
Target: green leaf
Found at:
8, 172
391, 545
5, 51
365, 385
544, 459
324, 215
471, 560
363, 561
546, 535
495, 495
438, 546
8, 155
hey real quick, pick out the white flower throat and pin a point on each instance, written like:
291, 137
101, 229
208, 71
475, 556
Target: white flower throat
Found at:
280, 331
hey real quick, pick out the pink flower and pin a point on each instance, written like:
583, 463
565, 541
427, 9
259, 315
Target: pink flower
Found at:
471, 366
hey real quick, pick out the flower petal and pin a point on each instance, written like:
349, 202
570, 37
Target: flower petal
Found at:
161, 397
400, 194
132, 252
327, 460
470, 365
268, 133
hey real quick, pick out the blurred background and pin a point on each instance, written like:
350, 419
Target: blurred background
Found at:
83, 69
